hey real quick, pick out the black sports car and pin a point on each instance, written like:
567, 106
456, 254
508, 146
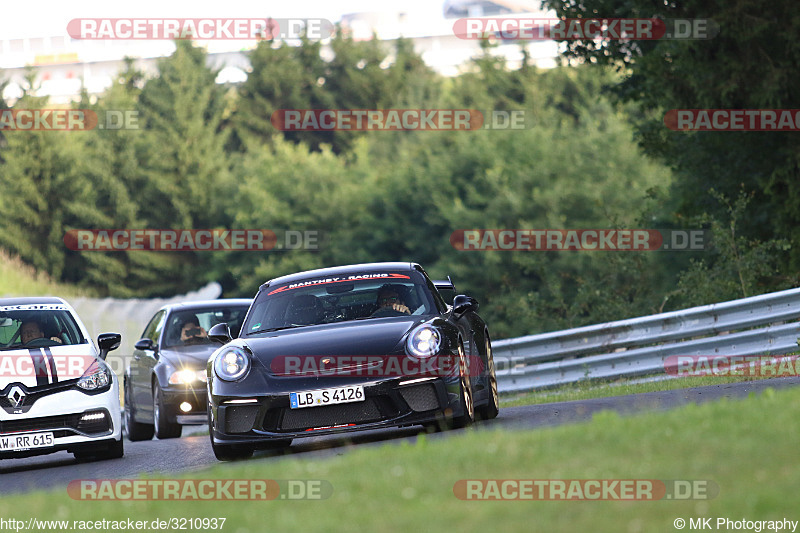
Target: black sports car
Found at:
345, 349
164, 384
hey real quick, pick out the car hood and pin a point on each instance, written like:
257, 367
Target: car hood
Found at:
189, 357
52, 364
379, 336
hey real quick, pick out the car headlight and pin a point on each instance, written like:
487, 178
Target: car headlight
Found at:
96, 377
187, 377
424, 341
231, 363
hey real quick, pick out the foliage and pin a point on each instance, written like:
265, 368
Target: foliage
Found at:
750, 64
739, 267
207, 156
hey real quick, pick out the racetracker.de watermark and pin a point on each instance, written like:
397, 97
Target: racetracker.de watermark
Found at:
159, 28
398, 120
544, 240
321, 366
585, 489
572, 29
42, 364
732, 365
38, 365
199, 489
67, 120
190, 240
733, 119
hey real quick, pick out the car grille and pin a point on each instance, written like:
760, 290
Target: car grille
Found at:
420, 397
330, 415
49, 423
32, 394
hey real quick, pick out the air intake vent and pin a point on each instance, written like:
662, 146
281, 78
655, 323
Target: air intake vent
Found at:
420, 397
240, 418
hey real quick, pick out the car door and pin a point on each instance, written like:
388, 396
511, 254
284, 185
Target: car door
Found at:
142, 367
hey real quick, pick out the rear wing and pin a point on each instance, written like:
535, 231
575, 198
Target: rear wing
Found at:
444, 284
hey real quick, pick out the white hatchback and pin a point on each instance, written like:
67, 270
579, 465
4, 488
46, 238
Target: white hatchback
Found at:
56, 391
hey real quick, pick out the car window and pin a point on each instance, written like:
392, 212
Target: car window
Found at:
339, 299
203, 319
46, 325
438, 297
154, 327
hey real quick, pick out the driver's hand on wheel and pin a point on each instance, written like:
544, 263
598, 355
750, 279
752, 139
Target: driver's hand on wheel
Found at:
402, 308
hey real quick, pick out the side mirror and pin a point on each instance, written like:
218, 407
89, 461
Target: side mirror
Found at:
107, 342
462, 304
144, 344
220, 333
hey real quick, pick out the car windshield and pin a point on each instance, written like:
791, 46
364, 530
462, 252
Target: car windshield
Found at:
338, 299
38, 326
191, 327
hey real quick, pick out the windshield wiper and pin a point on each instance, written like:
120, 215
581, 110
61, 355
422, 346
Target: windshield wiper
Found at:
267, 330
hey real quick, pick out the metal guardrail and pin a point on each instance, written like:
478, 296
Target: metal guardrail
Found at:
759, 325
768, 324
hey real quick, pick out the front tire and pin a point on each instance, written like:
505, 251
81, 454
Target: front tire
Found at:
467, 416
136, 430
115, 450
227, 452
492, 407
164, 429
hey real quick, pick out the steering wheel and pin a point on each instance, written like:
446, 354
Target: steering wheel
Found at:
41, 342
385, 312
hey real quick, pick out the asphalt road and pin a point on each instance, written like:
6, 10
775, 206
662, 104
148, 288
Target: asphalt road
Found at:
193, 452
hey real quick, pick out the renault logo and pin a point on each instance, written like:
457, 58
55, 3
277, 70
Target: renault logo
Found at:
16, 396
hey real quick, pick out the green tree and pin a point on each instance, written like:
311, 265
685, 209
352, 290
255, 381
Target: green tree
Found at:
750, 64
186, 180
576, 166
285, 186
360, 75
110, 175
187, 171
35, 182
738, 267
282, 77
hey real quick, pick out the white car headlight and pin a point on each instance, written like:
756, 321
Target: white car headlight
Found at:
424, 341
96, 377
187, 377
231, 363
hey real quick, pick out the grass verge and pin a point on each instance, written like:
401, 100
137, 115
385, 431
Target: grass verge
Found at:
19, 279
748, 448
588, 389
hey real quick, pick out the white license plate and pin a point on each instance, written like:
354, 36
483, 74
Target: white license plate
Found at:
26, 441
318, 398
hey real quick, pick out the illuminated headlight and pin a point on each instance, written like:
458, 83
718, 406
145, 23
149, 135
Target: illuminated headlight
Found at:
187, 377
424, 341
96, 377
231, 363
